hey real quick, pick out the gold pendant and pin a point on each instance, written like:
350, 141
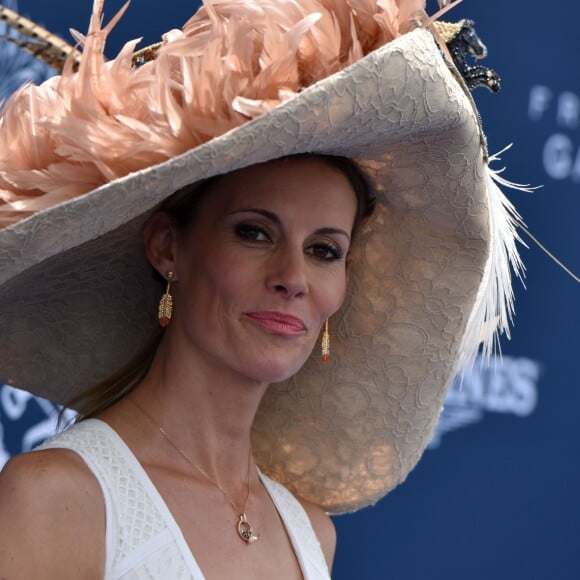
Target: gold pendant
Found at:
245, 530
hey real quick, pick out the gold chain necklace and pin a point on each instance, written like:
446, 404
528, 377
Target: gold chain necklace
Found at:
244, 528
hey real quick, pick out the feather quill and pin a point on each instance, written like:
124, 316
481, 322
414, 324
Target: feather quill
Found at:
37, 41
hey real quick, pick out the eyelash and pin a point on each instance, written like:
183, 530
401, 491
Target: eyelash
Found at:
245, 231
248, 231
327, 248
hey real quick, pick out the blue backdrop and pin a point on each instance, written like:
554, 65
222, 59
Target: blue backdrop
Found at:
497, 493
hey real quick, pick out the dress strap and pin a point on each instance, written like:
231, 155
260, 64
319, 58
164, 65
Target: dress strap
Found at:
300, 531
141, 533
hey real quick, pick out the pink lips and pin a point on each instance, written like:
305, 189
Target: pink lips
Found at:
278, 322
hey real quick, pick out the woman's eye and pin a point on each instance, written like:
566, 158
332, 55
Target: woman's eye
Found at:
252, 233
325, 252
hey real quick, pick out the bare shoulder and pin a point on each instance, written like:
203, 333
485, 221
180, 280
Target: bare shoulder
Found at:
51, 517
324, 529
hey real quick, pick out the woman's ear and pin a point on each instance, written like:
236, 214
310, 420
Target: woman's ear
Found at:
160, 239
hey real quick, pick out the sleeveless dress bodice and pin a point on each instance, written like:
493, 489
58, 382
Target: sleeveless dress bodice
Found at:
143, 540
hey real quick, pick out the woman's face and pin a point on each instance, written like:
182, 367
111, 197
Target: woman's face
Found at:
263, 265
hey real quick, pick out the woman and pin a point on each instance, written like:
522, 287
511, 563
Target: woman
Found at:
266, 242
257, 272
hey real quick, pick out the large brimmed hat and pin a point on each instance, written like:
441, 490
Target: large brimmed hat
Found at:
86, 158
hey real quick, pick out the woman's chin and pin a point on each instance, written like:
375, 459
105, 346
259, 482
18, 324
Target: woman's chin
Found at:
276, 370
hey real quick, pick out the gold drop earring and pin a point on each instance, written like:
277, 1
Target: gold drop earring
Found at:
166, 303
325, 344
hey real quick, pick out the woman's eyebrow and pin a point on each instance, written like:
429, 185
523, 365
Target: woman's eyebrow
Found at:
332, 231
268, 214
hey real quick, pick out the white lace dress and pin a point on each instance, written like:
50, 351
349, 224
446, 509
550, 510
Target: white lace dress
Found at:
143, 540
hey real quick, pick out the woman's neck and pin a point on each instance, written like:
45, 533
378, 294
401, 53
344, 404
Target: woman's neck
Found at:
206, 411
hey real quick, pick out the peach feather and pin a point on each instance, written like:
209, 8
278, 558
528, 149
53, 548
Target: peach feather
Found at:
233, 61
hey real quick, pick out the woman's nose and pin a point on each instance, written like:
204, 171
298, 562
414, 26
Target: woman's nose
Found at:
288, 275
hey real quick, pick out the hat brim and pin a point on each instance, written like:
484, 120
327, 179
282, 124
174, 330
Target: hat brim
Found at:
77, 298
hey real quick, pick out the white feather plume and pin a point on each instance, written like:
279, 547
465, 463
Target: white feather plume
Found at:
494, 306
